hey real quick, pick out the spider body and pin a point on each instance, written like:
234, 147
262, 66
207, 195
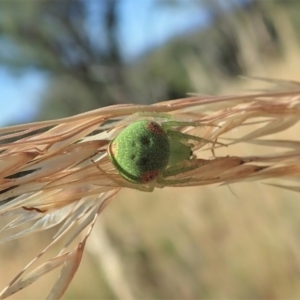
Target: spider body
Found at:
144, 149
141, 151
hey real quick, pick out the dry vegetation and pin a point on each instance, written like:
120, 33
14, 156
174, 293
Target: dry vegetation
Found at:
238, 240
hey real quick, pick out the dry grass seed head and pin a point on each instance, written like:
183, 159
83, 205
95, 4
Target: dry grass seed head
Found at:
49, 177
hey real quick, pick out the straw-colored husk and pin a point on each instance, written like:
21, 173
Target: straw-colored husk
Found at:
58, 173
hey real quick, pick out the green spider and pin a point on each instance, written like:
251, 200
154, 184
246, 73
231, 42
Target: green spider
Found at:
146, 153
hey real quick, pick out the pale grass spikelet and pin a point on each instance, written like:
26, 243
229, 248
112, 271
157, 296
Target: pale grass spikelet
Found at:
58, 173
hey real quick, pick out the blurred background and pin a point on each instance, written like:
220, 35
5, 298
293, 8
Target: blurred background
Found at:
63, 57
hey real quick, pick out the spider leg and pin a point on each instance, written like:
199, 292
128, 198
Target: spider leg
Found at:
161, 115
185, 136
176, 182
174, 170
169, 124
138, 115
183, 167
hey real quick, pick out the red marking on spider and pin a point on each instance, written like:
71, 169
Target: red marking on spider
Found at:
155, 128
149, 176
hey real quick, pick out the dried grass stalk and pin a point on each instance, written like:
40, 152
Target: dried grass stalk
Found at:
49, 177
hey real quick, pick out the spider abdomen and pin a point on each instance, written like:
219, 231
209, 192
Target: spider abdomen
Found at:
141, 151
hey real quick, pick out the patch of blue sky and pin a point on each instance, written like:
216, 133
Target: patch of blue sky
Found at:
144, 25
20, 95
148, 24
